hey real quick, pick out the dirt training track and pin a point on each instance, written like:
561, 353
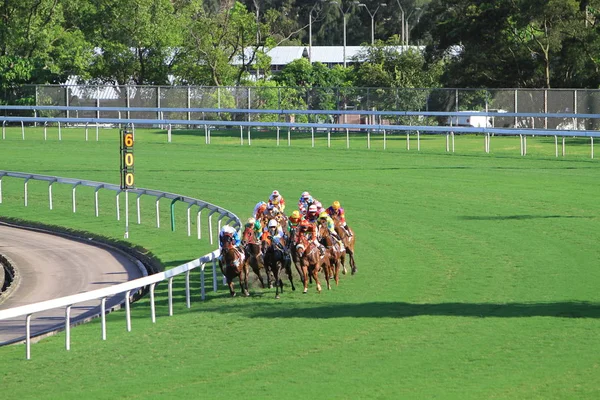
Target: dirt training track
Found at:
51, 266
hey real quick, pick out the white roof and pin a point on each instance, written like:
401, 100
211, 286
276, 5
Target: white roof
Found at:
284, 55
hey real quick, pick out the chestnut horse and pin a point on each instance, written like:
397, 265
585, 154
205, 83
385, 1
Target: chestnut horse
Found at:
337, 256
254, 256
232, 264
310, 261
348, 244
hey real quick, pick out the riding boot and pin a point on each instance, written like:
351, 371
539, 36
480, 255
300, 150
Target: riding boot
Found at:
347, 228
322, 250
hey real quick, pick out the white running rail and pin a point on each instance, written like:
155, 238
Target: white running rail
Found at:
124, 288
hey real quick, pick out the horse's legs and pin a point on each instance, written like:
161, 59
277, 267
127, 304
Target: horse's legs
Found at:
244, 281
341, 261
278, 284
288, 270
230, 284
253, 262
315, 275
305, 280
352, 262
327, 272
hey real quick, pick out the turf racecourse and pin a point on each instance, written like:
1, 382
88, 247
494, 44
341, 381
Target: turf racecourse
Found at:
478, 273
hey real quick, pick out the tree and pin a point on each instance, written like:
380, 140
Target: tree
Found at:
35, 40
512, 43
214, 43
136, 39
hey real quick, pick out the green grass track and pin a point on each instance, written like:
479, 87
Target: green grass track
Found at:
478, 274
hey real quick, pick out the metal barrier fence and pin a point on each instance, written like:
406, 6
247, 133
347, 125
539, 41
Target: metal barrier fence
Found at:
378, 122
223, 216
584, 101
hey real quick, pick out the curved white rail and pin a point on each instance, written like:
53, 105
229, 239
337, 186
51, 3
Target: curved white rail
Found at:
28, 310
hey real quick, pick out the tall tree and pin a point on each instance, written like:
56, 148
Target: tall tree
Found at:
35, 44
510, 43
136, 39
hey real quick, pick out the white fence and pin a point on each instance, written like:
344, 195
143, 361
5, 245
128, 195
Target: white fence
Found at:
522, 125
102, 294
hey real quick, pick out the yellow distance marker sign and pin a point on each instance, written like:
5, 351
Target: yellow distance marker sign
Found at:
127, 160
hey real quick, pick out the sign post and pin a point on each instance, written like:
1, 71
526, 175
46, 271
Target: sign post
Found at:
127, 170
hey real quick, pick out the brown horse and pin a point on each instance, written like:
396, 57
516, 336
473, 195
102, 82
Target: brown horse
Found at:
254, 255
232, 265
310, 261
277, 259
348, 241
337, 256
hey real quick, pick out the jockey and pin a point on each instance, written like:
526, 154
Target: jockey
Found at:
312, 214
259, 209
275, 231
320, 208
306, 200
253, 224
277, 199
331, 227
229, 230
311, 229
294, 220
272, 210
336, 210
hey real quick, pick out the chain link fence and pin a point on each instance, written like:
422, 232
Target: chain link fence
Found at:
583, 101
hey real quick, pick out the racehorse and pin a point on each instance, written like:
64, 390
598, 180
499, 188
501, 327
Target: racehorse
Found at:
348, 243
276, 260
291, 246
310, 261
232, 264
337, 256
254, 256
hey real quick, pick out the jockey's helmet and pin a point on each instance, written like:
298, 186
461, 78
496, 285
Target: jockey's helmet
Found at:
336, 205
323, 215
250, 221
272, 224
275, 194
312, 208
295, 214
305, 195
318, 204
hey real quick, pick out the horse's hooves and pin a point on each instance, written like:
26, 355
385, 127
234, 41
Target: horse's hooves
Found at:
344, 272
246, 294
270, 286
232, 294
277, 296
293, 288
305, 291
354, 271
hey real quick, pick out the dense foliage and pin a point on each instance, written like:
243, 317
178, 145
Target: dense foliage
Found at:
500, 43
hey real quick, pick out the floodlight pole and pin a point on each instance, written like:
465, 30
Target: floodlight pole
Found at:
402, 17
344, 17
372, 18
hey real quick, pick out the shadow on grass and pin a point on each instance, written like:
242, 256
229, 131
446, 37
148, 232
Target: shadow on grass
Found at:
403, 310
514, 217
